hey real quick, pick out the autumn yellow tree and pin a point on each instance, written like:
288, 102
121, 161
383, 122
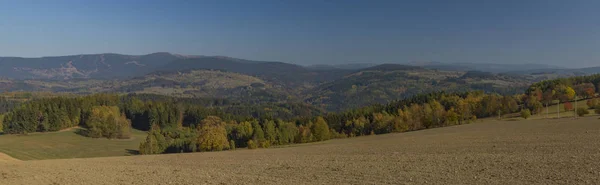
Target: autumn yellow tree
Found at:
212, 135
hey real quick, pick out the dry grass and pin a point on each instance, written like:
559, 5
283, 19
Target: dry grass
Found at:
555, 151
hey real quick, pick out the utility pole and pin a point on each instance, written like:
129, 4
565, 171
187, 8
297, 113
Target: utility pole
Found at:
558, 109
547, 110
575, 109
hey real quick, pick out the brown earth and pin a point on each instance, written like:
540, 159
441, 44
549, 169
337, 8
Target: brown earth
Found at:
6, 158
561, 151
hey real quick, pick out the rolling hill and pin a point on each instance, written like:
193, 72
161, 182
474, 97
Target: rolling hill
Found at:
386, 82
99, 66
329, 87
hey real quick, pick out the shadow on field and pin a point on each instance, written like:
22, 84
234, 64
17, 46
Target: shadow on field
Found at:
81, 132
132, 152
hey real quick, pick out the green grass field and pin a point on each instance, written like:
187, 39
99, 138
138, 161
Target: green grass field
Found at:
66, 144
553, 109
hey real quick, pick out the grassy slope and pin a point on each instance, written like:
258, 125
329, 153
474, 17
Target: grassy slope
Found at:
552, 110
66, 144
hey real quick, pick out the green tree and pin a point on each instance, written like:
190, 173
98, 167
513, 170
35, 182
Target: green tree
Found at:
270, 131
107, 121
438, 113
259, 134
154, 143
451, 117
287, 133
382, 122
320, 129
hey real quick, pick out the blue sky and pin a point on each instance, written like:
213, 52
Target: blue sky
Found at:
565, 33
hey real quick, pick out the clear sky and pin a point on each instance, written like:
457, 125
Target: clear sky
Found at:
559, 32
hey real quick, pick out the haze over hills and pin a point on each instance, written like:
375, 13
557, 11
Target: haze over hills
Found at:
331, 87
98, 66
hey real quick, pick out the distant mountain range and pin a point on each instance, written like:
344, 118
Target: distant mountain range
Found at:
329, 87
100, 66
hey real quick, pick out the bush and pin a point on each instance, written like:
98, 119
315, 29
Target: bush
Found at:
337, 135
265, 144
525, 113
582, 112
593, 102
231, 145
568, 106
251, 144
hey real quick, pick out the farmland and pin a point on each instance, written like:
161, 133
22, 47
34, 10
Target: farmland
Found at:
538, 151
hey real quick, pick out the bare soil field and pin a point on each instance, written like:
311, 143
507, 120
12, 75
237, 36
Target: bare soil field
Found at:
558, 151
6, 158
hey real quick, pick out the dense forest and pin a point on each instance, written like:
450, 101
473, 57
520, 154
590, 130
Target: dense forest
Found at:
202, 124
174, 125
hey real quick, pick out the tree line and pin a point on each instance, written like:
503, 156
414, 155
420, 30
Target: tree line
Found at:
50, 114
188, 125
564, 90
214, 133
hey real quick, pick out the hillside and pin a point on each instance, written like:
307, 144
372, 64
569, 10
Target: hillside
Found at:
285, 75
190, 83
387, 82
502, 152
330, 87
102, 66
559, 72
332, 90
485, 67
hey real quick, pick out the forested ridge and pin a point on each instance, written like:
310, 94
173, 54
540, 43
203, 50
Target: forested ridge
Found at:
202, 124
182, 126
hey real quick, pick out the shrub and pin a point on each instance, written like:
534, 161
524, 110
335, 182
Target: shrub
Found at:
251, 144
265, 144
525, 113
582, 112
337, 135
231, 145
568, 106
592, 102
